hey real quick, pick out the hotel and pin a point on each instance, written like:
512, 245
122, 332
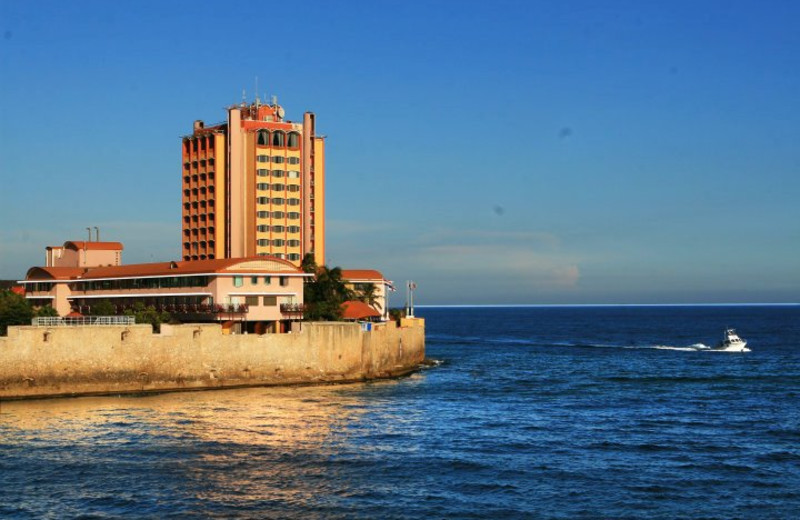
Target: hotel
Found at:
253, 185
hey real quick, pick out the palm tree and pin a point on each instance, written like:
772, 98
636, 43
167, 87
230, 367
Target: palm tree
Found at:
368, 293
325, 294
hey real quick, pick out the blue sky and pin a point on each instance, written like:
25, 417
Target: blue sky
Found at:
495, 152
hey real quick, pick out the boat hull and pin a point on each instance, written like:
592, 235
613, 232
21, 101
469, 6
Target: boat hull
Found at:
732, 347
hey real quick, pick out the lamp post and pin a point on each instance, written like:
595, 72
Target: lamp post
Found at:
410, 287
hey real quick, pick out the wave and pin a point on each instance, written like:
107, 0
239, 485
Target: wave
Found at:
472, 340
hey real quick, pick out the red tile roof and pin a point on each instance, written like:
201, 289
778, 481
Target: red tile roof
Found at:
226, 265
361, 274
54, 273
98, 246
18, 289
356, 310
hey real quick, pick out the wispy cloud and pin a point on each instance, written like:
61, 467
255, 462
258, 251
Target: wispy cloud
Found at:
491, 262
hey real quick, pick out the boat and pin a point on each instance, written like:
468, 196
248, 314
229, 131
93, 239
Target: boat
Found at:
731, 342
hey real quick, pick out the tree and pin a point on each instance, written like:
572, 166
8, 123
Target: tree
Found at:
325, 294
14, 310
397, 314
103, 308
46, 311
308, 265
148, 315
368, 293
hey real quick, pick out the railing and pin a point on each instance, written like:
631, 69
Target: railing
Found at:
288, 308
177, 309
54, 321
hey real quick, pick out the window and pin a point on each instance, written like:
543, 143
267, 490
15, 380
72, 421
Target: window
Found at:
278, 214
263, 200
277, 200
252, 301
263, 214
294, 140
263, 229
262, 242
278, 139
277, 159
237, 281
294, 257
263, 138
270, 301
262, 186
293, 215
293, 229
293, 188
278, 242
293, 160
267, 280
263, 158
262, 172
278, 187
279, 255
277, 229
293, 175
284, 281
277, 173
293, 243
293, 202
253, 280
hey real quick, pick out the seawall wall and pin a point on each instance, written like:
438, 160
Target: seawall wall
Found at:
37, 362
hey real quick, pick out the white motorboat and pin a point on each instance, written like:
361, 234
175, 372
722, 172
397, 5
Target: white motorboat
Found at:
731, 342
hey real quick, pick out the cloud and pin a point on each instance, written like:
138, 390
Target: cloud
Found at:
516, 263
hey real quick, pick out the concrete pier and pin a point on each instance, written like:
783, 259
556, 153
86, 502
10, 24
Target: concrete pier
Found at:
39, 362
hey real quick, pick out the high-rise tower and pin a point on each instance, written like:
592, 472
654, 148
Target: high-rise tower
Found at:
254, 186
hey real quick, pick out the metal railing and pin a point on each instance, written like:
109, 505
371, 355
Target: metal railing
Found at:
292, 308
54, 321
178, 309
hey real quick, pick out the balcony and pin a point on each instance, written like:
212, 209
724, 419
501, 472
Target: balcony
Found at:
292, 308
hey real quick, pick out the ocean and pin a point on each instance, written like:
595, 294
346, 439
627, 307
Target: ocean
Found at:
528, 412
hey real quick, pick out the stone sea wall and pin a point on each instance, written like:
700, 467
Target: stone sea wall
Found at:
38, 362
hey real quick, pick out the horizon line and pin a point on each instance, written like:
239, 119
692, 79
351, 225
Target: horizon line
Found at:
533, 305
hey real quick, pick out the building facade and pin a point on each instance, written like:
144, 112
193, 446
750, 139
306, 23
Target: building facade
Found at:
372, 283
84, 254
258, 294
253, 185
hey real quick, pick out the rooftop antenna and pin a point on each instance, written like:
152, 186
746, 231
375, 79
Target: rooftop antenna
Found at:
97, 233
244, 97
90, 233
257, 100
275, 100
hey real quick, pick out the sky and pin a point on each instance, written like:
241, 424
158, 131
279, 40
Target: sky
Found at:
504, 152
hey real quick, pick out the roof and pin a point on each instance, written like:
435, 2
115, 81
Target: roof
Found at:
356, 310
94, 246
223, 265
54, 273
18, 289
361, 274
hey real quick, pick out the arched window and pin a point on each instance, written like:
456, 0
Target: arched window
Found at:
279, 139
263, 138
294, 140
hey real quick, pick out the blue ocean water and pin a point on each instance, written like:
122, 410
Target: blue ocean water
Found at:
612, 412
